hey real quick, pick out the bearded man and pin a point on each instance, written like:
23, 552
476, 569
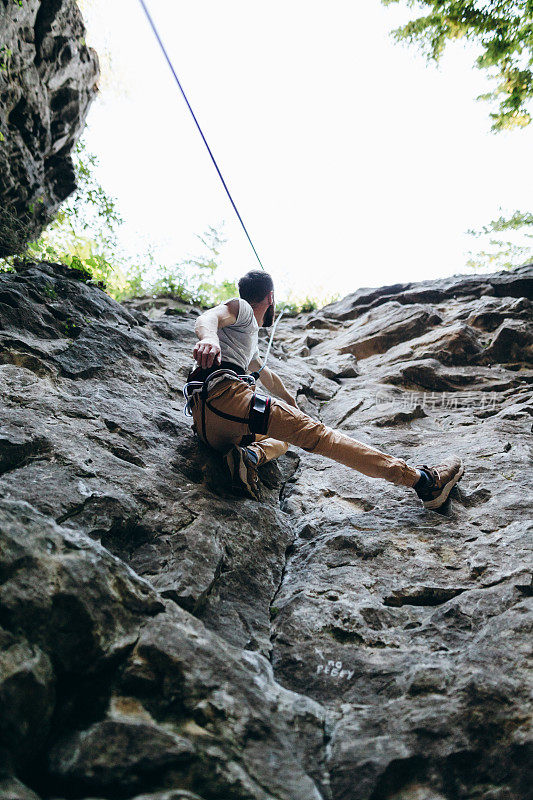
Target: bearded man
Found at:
249, 430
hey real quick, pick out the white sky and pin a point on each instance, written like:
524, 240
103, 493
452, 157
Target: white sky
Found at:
351, 161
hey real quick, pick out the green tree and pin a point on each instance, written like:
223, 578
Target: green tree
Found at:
504, 253
84, 235
83, 232
192, 279
503, 29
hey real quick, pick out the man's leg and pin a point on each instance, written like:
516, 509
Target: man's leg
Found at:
288, 424
222, 434
431, 483
267, 449
293, 426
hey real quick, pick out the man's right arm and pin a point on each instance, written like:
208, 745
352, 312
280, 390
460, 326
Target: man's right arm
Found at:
207, 349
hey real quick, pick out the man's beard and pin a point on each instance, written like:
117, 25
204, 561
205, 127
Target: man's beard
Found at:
268, 319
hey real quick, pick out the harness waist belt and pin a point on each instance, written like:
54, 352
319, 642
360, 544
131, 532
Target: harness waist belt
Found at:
200, 374
259, 409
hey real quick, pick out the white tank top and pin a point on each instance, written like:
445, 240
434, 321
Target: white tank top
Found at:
239, 341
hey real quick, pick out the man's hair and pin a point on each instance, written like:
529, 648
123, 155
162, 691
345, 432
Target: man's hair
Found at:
255, 285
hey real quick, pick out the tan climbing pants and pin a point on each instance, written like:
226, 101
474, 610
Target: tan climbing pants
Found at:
288, 425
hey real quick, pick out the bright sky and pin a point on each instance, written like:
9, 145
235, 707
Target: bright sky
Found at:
351, 161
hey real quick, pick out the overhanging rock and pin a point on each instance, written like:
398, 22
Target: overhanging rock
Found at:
48, 78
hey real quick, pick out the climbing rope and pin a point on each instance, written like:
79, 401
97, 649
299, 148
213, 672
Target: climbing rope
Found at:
269, 344
169, 62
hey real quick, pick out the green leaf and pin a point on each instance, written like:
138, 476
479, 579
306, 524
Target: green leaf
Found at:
503, 29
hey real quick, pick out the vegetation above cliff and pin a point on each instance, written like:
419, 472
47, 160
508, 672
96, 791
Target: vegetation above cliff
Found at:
502, 30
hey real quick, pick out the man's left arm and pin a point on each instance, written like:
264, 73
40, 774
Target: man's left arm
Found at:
273, 383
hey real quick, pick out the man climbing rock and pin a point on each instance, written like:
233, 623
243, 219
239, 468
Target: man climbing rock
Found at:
251, 430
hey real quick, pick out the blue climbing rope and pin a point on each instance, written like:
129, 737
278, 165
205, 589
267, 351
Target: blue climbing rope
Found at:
169, 62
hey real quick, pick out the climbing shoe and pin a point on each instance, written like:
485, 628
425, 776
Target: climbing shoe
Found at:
437, 482
242, 464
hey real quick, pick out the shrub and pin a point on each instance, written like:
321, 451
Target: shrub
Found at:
304, 305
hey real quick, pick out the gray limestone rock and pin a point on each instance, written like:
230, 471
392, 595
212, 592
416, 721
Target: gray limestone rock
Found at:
27, 694
165, 638
13, 789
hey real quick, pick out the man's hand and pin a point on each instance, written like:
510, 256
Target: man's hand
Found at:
207, 352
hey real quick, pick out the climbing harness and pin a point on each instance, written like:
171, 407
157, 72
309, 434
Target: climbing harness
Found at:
169, 62
201, 385
260, 405
259, 410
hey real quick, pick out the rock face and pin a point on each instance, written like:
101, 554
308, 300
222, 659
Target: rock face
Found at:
47, 82
165, 639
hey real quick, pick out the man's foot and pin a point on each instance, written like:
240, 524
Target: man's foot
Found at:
242, 464
437, 482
